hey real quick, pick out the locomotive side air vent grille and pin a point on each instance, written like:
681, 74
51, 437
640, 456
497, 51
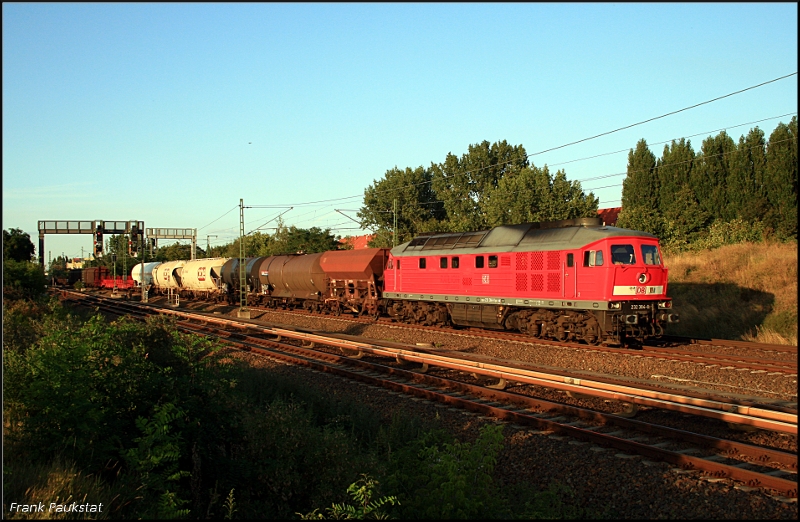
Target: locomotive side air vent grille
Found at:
554, 282
553, 260
537, 282
537, 260
522, 260
522, 282
467, 281
505, 260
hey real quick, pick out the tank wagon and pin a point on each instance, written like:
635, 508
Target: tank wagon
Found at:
168, 277
136, 273
564, 280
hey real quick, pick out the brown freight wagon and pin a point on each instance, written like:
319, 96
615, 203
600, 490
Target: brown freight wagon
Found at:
92, 276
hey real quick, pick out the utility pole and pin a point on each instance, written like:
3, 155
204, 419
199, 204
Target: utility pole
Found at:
243, 311
394, 236
125, 266
144, 254
208, 244
114, 261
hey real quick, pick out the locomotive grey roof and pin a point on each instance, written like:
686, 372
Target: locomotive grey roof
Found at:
568, 234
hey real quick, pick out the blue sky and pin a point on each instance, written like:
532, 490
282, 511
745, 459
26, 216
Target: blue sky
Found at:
170, 113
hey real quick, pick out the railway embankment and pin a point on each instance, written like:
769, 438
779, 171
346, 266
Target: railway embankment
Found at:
746, 291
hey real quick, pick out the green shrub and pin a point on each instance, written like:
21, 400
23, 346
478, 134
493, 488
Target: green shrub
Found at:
436, 477
22, 279
729, 233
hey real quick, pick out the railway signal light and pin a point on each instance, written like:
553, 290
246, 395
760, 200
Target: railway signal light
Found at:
98, 241
133, 242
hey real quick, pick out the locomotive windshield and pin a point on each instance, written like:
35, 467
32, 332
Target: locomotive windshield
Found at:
623, 255
650, 255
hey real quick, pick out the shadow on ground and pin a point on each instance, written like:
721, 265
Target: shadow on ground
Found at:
718, 310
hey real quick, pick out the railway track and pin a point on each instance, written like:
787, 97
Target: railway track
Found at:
679, 349
715, 458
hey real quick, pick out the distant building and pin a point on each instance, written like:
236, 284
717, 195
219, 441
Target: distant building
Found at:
357, 242
76, 262
609, 215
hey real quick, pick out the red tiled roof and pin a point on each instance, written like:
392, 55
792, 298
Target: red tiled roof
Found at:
358, 242
609, 215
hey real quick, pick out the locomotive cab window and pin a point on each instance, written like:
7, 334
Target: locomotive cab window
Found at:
398, 264
389, 265
422, 262
650, 255
623, 255
442, 262
492, 261
454, 262
593, 258
478, 261
570, 261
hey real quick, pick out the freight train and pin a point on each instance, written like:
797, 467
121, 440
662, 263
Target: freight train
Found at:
566, 280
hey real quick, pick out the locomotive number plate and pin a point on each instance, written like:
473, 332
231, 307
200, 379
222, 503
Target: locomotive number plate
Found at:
640, 307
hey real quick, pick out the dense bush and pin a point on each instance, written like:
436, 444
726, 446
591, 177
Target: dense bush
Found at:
731, 232
22, 279
157, 424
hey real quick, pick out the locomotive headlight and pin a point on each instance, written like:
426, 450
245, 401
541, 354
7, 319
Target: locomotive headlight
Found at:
665, 304
643, 277
614, 306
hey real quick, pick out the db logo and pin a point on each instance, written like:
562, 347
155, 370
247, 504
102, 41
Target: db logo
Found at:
485, 279
641, 290
201, 273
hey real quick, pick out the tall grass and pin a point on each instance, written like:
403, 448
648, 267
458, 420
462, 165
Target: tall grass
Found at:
746, 291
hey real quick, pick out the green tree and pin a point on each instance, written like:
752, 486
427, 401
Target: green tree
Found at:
463, 183
567, 200
521, 198
174, 252
640, 187
781, 180
673, 170
22, 279
643, 218
17, 245
710, 173
684, 220
295, 240
747, 194
409, 193
256, 244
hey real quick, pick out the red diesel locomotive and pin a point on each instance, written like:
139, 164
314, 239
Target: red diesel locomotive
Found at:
565, 280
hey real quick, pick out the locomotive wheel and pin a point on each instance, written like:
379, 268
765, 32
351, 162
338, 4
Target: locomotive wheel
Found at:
337, 311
